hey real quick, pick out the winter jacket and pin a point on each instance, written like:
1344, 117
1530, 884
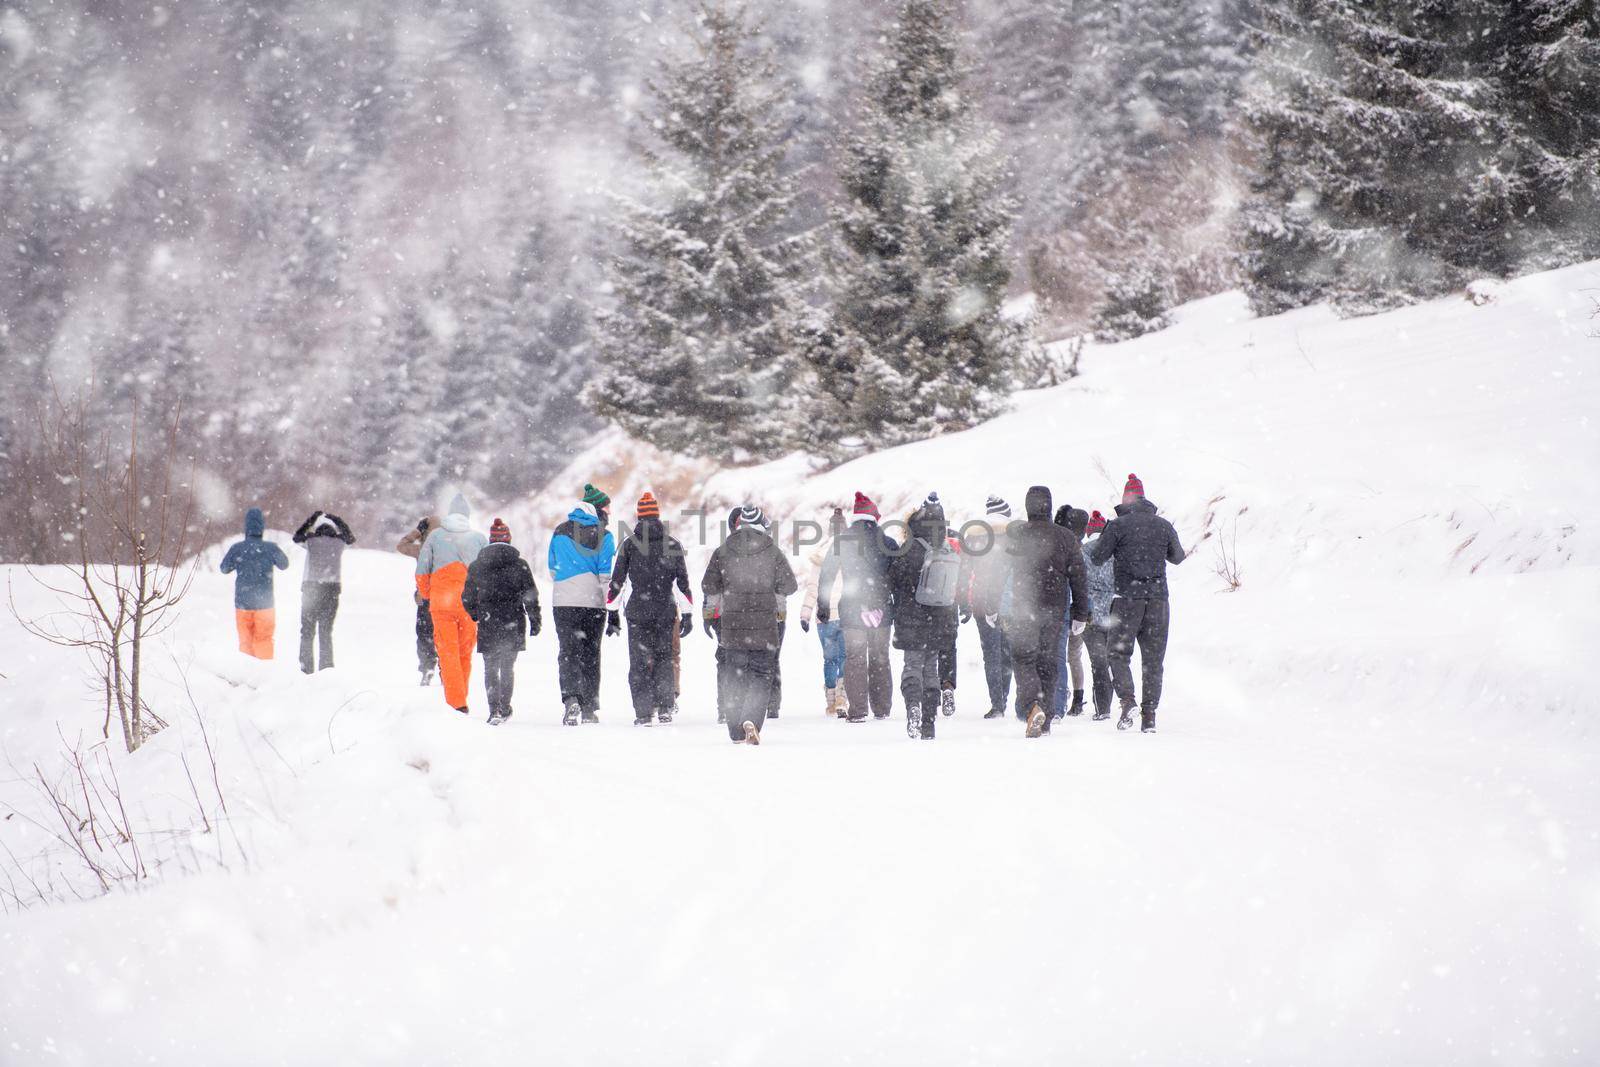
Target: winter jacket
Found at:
581, 555
253, 559
918, 627
861, 556
989, 569
1141, 544
1048, 576
411, 543
1102, 586
808, 606
325, 537
655, 562
746, 574
501, 598
442, 564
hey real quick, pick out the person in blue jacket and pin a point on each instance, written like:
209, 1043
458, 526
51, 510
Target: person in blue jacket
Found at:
252, 561
581, 555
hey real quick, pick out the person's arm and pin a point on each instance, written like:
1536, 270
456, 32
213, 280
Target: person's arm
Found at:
825, 579
410, 544
279, 560
711, 593
230, 559
344, 529
786, 580
619, 573
304, 532
607, 554
1106, 545
470, 589
1175, 552
680, 576
425, 569
1077, 581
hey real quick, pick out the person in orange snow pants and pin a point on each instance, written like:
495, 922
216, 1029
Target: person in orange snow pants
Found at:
441, 575
252, 562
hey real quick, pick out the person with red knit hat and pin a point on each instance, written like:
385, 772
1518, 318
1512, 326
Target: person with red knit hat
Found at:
653, 561
503, 603
1139, 544
859, 559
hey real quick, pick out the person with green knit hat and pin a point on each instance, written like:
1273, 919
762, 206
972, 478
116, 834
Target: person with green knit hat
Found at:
596, 499
581, 556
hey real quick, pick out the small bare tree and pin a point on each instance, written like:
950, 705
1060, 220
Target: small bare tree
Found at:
129, 524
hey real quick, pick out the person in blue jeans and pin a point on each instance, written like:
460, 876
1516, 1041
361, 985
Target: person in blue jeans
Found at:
831, 632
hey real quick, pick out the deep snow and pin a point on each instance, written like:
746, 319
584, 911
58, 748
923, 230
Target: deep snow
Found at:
1366, 832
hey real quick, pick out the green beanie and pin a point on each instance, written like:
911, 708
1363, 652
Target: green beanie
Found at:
593, 496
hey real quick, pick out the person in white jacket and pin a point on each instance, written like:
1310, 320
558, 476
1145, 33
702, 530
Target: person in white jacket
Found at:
830, 632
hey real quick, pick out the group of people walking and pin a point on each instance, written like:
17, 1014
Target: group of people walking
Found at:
1043, 593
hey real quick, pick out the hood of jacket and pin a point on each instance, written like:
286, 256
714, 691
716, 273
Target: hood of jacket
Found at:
1140, 506
649, 530
459, 506
1038, 503
927, 523
584, 515
455, 522
255, 523
499, 554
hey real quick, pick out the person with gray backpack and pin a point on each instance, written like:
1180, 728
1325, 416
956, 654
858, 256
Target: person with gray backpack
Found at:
923, 582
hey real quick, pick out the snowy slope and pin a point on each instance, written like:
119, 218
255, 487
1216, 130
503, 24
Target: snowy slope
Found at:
1366, 833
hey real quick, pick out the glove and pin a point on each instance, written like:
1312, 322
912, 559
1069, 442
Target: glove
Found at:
418, 598
685, 625
713, 629
533, 624
613, 624
990, 619
805, 625
964, 615
823, 614
1078, 626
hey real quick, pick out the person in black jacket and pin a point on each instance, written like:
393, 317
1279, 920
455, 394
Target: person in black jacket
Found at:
921, 631
746, 577
1047, 574
860, 557
325, 537
654, 562
1140, 544
499, 595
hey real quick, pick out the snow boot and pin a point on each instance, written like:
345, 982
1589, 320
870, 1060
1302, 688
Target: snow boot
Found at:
772, 713
589, 716
722, 717
664, 715
645, 720
1102, 714
855, 716
995, 713
752, 736
1147, 720
885, 715
947, 702
569, 715
427, 677
1038, 722
1077, 703
1126, 721
914, 721
495, 718
463, 710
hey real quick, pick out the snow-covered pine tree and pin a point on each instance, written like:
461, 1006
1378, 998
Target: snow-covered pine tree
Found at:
916, 343
400, 407
1380, 154
699, 354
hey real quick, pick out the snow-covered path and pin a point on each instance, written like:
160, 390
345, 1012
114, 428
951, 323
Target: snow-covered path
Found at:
429, 890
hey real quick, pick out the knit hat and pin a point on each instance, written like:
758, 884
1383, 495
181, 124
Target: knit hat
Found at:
648, 508
1134, 486
864, 505
932, 500
750, 515
996, 506
459, 506
499, 532
593, 496
1097, 522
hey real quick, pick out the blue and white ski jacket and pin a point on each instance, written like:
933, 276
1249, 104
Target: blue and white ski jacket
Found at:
580, 559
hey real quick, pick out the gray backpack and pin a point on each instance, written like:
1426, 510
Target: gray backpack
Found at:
941, 573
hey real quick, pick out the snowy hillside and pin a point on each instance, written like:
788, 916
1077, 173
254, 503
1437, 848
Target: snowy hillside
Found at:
1366, 833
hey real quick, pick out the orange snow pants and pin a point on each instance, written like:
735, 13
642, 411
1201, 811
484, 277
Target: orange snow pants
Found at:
255, 631
455, 635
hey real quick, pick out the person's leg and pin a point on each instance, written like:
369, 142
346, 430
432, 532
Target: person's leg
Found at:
330, 611
641, 670
1153, 651
427, 654
1025, 654
568, 635
1075, 659
244, 622
594, 635
491, 681
666, 677
447, 639
856, 652
1057, 662
310, 611
677, 662
996, 672
1096, 640
266, 623
724, 685
947, 663
1124, 625
880, 672
777, 673
911, 679
1052, 636
466, 641
932, 687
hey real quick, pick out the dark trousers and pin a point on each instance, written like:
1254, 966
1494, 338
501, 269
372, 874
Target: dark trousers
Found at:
868, 678
1033, 660
996, 662
947, 664
1145, 622
578, 635
499, 678
319, 603
744, 687
777, 673
650, 664
427, 654
919, 680
1097, 639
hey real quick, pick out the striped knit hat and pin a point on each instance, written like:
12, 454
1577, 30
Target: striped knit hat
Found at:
750, 515
996, 506
593, 496
932, 500
499, 532
864, 505
648, 508
1134, 486
1097, 522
